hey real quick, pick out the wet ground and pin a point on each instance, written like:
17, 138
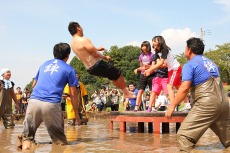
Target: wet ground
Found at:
96, 137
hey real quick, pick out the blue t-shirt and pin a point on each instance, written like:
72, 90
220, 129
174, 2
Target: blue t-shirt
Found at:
51, 78
133, 100
199, 69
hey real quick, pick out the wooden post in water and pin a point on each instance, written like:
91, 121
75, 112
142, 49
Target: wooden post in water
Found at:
150, 127
141, 127
165, 127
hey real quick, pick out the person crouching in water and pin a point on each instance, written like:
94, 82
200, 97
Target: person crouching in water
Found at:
6, 95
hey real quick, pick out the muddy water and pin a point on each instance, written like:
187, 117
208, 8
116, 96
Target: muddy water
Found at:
96, 137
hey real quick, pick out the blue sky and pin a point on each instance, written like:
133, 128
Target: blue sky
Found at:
29, 29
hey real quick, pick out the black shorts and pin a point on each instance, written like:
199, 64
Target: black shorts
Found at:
105, 70
144, 81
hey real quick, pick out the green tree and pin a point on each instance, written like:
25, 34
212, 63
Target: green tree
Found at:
126, 58
221, 56
29, 86
181, 59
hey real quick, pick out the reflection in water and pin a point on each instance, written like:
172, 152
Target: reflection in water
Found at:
96, 137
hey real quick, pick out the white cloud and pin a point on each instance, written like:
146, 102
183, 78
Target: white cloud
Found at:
176, 38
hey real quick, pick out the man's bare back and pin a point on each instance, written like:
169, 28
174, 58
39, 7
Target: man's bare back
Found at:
85, 51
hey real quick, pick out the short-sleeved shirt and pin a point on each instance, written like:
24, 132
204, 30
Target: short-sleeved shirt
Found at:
133, 100
170, 59
97, 99
51, 78
162, 100
146, 59
115, 98
160, 72
199, 69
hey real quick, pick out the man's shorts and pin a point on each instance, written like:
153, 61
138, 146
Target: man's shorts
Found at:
105, 70
174, 77
144, 81
159, 84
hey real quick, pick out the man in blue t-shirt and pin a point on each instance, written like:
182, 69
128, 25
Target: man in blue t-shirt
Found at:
45, 101
132, 101
210, 105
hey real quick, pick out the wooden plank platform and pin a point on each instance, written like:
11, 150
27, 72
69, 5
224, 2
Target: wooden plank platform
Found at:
141, 117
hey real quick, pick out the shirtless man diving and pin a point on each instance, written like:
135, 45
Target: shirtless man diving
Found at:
93, 60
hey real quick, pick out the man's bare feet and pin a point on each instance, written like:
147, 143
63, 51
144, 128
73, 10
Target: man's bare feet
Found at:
129, 95
26, 145
78, 120
19, 145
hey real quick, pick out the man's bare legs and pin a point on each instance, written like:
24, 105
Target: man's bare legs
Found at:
26, 145
120, 83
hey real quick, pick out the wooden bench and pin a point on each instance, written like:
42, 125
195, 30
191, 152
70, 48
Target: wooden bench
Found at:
151, 118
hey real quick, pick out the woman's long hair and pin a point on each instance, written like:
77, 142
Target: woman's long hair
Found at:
162, 44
